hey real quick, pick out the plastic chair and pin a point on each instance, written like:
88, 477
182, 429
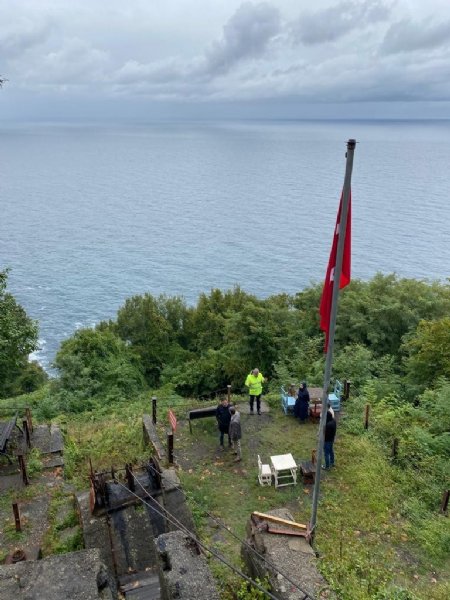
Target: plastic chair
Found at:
334, 398
264, 473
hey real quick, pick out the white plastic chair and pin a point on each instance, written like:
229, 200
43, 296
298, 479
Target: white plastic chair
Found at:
264, 473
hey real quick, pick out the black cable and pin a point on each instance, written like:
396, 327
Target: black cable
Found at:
246, 544
177, 523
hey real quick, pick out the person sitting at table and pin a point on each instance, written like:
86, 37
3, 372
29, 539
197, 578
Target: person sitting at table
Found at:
301, 408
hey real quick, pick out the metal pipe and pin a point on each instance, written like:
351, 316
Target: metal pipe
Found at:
334, 304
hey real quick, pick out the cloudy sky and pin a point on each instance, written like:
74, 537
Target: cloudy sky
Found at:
192, 58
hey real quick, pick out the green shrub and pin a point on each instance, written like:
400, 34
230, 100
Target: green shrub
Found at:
248, 592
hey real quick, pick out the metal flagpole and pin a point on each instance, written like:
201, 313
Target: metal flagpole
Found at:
334, 304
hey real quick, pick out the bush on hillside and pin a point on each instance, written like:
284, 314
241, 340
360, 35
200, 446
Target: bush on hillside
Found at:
95, 364
18, 338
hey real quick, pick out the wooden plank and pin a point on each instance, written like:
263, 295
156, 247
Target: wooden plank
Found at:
307, 468
286, 532
201, 413
279, 520
7, 432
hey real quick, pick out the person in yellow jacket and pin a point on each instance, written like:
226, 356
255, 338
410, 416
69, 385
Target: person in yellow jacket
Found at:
254, 382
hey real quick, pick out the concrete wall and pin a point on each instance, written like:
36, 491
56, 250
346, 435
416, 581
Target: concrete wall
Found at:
77, 575
184, 572
291, 555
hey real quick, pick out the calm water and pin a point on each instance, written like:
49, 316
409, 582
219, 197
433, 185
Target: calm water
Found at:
91, 215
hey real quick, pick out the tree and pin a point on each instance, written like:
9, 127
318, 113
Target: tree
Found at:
18, 338
253, 338
379, 313
96, 363
429, 353
205, 325
141, 324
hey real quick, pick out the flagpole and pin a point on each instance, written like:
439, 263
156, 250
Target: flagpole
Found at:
334, 304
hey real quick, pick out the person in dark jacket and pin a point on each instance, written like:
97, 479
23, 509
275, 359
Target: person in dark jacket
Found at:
330, 434
236, 432
301, 408
223, 417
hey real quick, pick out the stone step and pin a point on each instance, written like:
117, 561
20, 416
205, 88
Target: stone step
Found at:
48, 440
140, 586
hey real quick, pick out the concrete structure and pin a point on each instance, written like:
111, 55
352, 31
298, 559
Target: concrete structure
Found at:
183, 570
291, 555
78, 576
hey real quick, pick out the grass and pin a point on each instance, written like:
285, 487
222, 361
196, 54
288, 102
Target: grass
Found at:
230, 491
62, 516
374, 537
34, 463
368, 548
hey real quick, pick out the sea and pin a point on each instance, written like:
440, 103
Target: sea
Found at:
92, 214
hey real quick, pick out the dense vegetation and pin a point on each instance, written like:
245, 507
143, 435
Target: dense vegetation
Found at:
18, 337
393, 330
392, 342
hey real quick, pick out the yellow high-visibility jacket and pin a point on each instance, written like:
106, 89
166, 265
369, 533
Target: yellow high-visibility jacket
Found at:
254, 384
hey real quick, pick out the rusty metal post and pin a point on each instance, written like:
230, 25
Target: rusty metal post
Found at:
17, 516
313, 456
129, 475
366, 421
29, 419
154, 410
347, 385
26, 433
23, 469
229, 393
394, 449
170, 447
444, 504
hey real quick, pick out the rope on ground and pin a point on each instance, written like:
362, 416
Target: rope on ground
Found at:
177, 523
246, 544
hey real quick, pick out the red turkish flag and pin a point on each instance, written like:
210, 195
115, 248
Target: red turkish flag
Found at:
327, 293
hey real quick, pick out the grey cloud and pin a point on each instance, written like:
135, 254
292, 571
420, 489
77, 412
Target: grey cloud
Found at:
332, 23
246, 35
253, 57
344, 80
407, 36
76, 63
21, 35
134, 72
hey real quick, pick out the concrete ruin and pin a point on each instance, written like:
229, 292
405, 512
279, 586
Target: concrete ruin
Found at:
290, 555
136, 538
78, 576
134, 549
184, 572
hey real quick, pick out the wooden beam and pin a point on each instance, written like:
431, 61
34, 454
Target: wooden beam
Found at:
278, 520
286, 532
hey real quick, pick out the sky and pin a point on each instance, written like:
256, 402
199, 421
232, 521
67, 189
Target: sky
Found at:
145, 59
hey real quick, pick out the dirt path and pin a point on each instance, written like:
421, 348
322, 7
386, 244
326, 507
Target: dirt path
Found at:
196, 448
